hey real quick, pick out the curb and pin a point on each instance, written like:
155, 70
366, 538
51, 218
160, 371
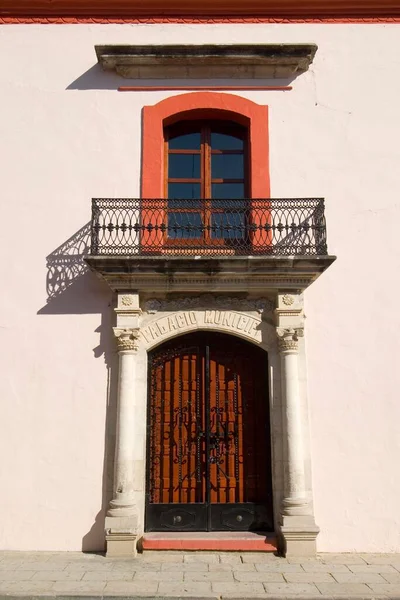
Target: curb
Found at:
50, 596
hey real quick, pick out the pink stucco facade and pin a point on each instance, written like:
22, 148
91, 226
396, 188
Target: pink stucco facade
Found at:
67, 135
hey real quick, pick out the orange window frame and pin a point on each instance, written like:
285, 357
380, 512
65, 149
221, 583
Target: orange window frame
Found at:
203, 106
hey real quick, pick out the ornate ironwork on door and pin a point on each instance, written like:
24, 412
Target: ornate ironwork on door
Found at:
209, 464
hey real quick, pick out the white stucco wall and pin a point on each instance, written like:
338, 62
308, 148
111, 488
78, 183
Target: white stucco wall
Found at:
334, 135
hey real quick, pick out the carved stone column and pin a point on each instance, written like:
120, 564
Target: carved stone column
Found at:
122, 517
295, 498
297, 522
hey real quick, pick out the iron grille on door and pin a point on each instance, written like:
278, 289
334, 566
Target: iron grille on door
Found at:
208, 451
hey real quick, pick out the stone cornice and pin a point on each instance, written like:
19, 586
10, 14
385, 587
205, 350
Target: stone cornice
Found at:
259, 61
253, 274
290, 9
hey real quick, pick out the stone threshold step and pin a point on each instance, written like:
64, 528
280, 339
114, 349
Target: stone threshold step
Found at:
217, 541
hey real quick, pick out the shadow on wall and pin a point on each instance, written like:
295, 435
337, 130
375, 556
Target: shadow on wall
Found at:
73, 289
97, 79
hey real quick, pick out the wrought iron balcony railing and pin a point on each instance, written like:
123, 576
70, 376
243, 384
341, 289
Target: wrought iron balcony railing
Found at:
181, 227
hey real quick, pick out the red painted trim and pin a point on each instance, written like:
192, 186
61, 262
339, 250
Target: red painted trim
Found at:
317, 20
261, 545
207, 105
150, 88
290, 9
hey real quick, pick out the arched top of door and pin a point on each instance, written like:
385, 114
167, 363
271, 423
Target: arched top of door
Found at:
204, 105
166, 328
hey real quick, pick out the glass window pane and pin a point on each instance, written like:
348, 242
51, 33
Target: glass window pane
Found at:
187, 141
228, 226
185, 166
185, 225
184, 190
227, 166
222, 141
227, 190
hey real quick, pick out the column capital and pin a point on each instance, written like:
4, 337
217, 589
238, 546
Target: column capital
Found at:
126, 339
288, 339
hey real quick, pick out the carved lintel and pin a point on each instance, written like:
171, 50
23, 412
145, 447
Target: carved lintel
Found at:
209, 300
288, 339
126, 339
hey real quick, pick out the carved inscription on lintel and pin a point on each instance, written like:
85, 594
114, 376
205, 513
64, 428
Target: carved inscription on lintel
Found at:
231, 321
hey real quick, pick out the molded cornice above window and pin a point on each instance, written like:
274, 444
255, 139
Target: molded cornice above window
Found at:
291, 9
209, 61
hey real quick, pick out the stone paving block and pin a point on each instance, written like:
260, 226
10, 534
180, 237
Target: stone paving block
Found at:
16, 575
79, 587
378, 559
291, 589
22, 587
238, 589
108, 576
372, 569
392, 589
230, 558
88, 555
87, 566
189, 566
158, 576
130, 588
309, 577
261, 557
136, 564
209, 576
344, 559
10, 565
42, 565
297, 560
161, 557
391, 577
224, 567
340, 589
58, 575
319, 567
201, 557
193, 588
359, 578
258, 576
279, 568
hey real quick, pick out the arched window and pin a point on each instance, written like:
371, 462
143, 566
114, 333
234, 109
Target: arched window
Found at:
206, 180
204, 165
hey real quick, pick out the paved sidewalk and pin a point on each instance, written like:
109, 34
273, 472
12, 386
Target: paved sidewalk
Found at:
199, 575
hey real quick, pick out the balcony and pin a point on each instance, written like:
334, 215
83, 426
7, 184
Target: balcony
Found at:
231, 244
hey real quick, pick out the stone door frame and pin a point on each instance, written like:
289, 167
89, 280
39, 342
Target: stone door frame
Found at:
275, 325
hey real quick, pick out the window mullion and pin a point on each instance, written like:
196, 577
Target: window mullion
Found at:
207, 182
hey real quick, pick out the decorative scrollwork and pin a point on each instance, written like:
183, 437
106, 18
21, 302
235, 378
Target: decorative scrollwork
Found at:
288, 340
256, 226
126, 339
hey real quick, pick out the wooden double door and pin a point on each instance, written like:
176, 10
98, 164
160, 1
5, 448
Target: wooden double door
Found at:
208, 454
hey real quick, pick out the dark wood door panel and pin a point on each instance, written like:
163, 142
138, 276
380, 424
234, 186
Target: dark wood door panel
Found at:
208, 431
